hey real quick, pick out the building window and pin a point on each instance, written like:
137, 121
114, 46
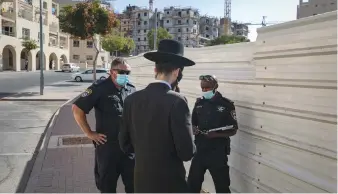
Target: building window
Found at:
179, 38
138, 31
76, 43
168, 12
45, 5
187, 29
207, 36
168, 29
179, 21
139, 39
138, 23
124, 29
89, 44
145, 39
187, 11
138, 15
187, 21
194, 30
76, 57
89, 57
207, 21
167, 21
178, 30
157, 23
124, 22
195, 22
102, 58
179, 14
206, 28
145, 22
187, 38
145, 31
25, 33
145, 14
138, 47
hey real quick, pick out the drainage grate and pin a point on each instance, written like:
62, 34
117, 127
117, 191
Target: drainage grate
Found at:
76, 141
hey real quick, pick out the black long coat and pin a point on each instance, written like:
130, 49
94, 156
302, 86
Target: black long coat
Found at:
157, 127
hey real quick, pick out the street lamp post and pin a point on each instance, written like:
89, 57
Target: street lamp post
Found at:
41, 56
155, 31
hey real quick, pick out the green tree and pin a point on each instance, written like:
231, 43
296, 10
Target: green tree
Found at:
29, 45
228, 39
161, 34
85, 20
129, 45
113, 42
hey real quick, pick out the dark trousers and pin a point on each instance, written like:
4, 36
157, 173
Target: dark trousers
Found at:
110, 163
218, 168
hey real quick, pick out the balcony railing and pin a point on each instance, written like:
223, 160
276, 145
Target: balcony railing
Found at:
8, 13
53, 27
25, 10
7, 33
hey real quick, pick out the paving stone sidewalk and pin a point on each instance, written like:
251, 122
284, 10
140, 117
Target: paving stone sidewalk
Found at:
63, 168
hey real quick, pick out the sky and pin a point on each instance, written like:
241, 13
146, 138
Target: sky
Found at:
246, 11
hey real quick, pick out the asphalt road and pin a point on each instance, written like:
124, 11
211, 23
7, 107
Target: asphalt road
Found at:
14, 82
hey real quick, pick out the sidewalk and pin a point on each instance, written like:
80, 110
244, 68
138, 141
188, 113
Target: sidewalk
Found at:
24, 119
66, 161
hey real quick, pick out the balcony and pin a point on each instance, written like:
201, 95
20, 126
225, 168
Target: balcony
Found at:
54, 27
25, 10
8, 14
44, 16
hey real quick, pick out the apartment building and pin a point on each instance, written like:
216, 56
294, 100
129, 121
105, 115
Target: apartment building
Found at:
237, 28
308, 8
183, 24
136, 22
209, 27
83, 52
20, 19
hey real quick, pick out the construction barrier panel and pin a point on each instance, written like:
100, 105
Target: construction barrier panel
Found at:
285, 89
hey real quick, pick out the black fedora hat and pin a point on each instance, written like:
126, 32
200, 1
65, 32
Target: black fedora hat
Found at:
170, 51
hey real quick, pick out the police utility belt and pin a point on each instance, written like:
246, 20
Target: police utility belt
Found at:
228, 127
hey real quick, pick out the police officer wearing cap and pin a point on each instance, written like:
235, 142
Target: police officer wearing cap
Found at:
214, 121
106, 97
157, 125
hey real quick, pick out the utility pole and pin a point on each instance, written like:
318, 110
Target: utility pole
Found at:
155, 31
41, 56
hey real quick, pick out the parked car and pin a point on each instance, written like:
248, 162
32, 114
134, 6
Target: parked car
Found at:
70, 67
88, 75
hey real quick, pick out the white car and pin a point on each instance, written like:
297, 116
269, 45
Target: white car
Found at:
70, 67
88, 75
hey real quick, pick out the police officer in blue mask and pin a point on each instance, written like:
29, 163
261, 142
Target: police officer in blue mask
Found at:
214, 121
107, 98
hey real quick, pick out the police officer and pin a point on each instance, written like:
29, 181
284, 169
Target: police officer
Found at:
214, 121
107, 98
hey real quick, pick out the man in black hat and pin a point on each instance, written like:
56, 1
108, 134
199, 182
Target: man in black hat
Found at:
157, 126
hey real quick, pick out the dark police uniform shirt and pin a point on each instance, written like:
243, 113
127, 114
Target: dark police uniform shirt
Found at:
209, 114
107, 101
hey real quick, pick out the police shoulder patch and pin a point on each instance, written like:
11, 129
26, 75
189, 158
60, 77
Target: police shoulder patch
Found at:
87, 92
233, 115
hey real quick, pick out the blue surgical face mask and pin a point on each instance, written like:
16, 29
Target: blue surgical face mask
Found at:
122, 79
208, 95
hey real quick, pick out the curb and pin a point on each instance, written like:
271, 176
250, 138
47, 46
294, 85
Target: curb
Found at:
39, 153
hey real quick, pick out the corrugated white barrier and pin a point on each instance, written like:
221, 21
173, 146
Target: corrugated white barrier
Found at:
285, 91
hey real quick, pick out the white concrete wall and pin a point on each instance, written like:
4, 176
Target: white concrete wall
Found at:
285, 91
